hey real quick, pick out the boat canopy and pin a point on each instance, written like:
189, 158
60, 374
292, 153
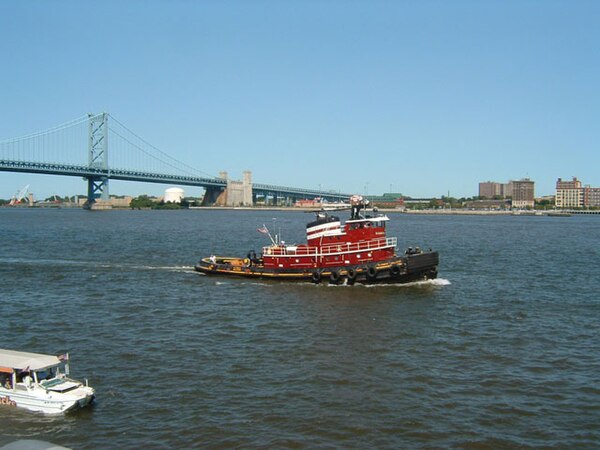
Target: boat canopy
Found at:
381, 218
26, 361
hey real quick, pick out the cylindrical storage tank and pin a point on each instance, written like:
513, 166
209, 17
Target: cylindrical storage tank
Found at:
174, 195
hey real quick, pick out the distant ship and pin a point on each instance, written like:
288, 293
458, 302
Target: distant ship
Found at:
356, 252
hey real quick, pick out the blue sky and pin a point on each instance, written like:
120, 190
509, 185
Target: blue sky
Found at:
420, 97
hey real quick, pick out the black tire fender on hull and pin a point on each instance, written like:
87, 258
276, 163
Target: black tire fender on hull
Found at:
351, 275
335, 276
372, 273
316, 277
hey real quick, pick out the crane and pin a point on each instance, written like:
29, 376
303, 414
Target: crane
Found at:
19, 196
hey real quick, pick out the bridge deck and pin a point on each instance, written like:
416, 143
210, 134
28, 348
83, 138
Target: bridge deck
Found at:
149, 177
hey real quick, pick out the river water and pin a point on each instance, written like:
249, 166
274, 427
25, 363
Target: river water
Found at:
502, 351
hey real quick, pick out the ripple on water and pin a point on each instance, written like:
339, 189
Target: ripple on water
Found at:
499, 352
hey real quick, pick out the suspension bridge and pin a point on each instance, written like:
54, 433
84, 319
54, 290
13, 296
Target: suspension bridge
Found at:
80, 148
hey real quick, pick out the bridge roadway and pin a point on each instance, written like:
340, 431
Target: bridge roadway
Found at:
148, 177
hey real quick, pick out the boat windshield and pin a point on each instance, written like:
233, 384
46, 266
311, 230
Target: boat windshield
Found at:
48, 373
365, 224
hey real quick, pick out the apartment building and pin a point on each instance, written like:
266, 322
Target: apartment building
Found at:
491, 189
591, 197
523, 193
569, 194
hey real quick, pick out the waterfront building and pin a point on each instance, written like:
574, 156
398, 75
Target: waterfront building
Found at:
569, 194
547, 200
112, 202
591, 197
488, 205
521, 192
387, 200
308, 203
492, 189
489, 189
523, 195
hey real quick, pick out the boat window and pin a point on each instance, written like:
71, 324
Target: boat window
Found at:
44, 375
21, 376
5, 381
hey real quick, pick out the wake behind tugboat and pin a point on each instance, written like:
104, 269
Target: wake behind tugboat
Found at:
357, 252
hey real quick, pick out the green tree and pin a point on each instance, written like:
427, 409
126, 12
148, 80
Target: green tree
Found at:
143, 201
168, 205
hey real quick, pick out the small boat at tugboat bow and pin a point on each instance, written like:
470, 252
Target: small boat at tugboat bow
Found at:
357, 251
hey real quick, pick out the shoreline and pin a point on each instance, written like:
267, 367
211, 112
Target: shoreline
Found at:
431, 212
441, 212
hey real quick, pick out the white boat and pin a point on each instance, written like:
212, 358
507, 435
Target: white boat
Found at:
40, 383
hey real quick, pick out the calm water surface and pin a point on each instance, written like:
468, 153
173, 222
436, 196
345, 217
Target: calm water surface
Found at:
503, 351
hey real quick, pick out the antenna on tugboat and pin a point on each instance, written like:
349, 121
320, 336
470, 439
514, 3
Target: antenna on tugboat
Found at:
277, 235
265, 230
273, 241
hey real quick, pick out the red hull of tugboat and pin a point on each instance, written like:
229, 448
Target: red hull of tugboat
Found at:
356, 252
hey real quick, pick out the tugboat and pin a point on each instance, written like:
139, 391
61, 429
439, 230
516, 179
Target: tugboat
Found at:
356, 252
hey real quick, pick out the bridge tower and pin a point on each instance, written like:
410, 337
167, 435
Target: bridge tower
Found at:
98, 158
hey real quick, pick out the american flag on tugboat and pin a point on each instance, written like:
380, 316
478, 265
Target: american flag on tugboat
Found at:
263, 230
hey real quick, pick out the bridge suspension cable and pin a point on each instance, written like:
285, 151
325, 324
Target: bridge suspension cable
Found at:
65, 143
154, 154
71, 123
